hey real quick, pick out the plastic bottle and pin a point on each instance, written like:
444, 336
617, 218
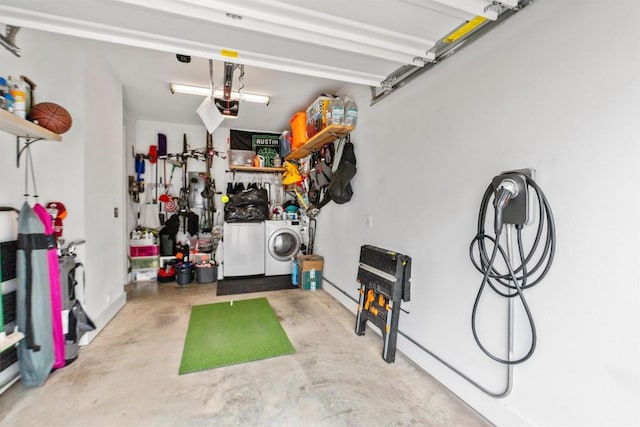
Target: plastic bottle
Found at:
337, 111
294, 273
350, 112
16, 87
28, 93
4, 89
9, 103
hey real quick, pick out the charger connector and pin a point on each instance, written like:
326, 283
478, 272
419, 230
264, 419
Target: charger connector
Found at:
516, 209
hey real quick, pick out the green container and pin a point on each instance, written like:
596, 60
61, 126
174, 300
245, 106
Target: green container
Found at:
311, 280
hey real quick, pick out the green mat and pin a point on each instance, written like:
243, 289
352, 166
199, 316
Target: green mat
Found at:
228, 333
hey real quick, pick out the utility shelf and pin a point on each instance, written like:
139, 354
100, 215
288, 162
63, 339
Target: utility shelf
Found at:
24, 129
10, 340
238, 168
14, 125
325, 136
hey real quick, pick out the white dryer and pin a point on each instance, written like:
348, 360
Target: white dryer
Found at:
283, 240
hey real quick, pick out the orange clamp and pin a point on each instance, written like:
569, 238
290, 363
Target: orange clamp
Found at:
370, 297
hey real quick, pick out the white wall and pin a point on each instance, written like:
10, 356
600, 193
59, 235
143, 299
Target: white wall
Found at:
73, 171
104, 189
556, 88
59, 75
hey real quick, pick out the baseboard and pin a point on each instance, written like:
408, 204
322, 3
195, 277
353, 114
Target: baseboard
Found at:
493, 410
104, 318
9, 376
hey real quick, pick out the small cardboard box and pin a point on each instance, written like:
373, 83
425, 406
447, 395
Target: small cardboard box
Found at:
310, 268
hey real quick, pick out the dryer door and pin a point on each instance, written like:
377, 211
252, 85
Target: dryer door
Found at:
283, 244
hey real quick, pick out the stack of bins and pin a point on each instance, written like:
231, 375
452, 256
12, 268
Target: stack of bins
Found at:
145, 261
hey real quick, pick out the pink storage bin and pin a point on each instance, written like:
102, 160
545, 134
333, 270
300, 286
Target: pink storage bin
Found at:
152, 250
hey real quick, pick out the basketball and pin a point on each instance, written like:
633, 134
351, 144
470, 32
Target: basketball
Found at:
51, 116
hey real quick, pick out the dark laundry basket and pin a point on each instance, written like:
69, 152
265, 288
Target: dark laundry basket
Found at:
184, 273
206, 273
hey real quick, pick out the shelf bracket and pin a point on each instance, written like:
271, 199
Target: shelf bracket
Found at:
27, 142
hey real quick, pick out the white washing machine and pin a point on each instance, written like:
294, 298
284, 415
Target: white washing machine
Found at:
243, 248
283, 241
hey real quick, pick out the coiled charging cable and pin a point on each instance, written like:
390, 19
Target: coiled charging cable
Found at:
533, 265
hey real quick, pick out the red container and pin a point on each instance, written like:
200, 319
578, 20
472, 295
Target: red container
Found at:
137, 251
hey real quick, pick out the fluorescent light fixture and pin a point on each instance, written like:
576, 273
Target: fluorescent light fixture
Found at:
206, 91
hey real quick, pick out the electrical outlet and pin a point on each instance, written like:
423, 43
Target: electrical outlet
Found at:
518, 210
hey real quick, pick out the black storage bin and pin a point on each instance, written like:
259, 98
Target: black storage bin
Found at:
206, 273
184, 273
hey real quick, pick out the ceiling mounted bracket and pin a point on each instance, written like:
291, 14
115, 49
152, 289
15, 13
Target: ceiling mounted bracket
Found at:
228, 80
461, 37
8, 40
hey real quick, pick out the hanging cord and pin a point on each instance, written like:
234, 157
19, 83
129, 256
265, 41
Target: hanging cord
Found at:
211, 76
241, 81
515, 279
29, 168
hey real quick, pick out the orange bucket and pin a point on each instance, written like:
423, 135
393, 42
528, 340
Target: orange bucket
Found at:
298, 130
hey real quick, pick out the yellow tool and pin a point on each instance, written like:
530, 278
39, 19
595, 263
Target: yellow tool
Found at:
291, 174
302, 202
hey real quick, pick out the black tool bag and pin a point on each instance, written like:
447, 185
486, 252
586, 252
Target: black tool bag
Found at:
322, 161
77, 319
339, 189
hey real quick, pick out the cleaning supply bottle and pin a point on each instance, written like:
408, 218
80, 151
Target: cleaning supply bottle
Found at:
4, 89
350, 112
16, 88
337, 111
294, 273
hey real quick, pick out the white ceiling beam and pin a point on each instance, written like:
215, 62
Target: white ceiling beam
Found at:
300, 24
479, 7
108, 33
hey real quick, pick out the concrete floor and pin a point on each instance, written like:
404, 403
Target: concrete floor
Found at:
129, 374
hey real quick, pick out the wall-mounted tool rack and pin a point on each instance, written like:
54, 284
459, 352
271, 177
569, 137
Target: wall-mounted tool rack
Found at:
385, 281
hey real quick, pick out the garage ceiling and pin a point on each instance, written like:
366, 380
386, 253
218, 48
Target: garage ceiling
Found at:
369, 42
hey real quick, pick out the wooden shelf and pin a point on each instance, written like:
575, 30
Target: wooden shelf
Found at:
14, 125
325, 136
237, 168
10, 340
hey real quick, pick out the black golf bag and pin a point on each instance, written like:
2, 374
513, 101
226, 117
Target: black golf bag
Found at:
74, 319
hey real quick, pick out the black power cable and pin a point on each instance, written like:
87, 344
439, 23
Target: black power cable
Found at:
534, 264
